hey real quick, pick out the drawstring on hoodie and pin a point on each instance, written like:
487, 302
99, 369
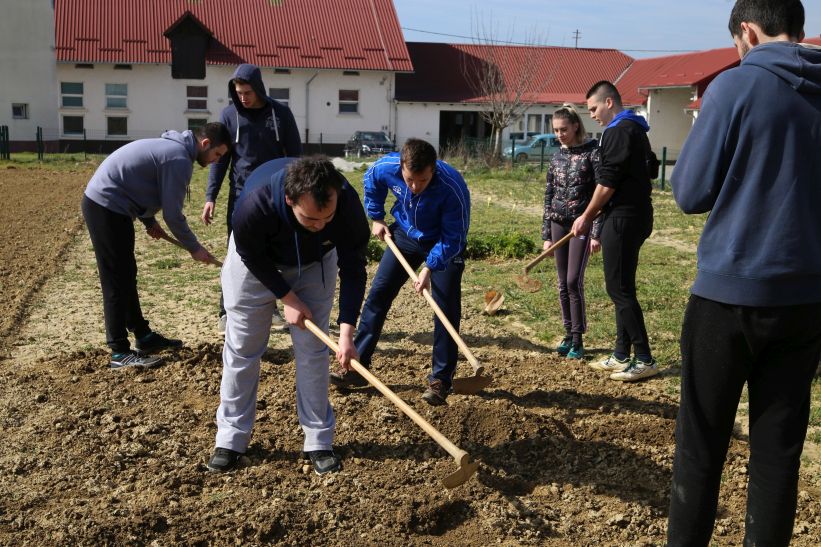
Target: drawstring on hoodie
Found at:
299, 260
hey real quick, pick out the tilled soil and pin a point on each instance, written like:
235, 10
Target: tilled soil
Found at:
568, 457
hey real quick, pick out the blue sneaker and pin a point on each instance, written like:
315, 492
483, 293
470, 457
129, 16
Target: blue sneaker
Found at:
576, 352
565, 346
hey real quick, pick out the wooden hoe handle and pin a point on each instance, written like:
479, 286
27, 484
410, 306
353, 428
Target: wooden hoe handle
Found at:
458, 454
547, 252
474, 362
170, 239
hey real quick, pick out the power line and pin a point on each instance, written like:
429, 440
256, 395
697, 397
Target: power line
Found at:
512, 43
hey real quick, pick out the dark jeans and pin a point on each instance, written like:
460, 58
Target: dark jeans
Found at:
446, 288
621, 239
112, 236
775, 350
571, 262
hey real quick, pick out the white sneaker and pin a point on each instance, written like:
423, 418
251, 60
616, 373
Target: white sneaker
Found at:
638, 370
611, 364
277, 321
223, 319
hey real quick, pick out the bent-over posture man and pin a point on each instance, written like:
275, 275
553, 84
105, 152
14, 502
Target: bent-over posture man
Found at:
136, 181
432, 213
754, 314
296, 224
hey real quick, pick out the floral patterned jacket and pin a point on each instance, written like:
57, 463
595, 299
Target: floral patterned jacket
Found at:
571, 179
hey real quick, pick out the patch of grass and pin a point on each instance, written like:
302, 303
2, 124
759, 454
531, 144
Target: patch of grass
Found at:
166, 264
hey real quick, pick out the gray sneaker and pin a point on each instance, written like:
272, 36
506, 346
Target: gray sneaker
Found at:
611, 364
277, 321
638, 370
134, 359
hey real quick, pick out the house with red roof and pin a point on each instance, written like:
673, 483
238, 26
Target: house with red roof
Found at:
127, 69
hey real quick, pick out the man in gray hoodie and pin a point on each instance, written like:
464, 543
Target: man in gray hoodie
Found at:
137, 181
754, 315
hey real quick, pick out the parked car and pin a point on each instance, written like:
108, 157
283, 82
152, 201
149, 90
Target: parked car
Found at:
532, 149
364, 143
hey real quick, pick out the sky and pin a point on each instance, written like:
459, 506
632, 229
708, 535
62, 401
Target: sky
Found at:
640, 28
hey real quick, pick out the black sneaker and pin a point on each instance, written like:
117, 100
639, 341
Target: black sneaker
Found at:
324, 461
348, 379
133, 359
436, 394
155, 342
223, 460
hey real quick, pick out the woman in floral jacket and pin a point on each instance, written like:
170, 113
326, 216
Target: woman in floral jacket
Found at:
571, 179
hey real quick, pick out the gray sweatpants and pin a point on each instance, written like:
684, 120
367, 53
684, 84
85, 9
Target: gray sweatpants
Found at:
249, 306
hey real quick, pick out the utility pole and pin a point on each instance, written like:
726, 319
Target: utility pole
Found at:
577, 35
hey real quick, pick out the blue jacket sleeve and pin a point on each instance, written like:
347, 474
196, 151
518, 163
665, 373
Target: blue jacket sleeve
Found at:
700, 169
290, 137
216, 174
455, 224
352, 258
254, 224
376, 191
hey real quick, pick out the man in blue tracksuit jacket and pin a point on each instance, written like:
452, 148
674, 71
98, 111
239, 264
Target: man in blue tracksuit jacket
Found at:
432, 213
262, 129
754, 315
297, 223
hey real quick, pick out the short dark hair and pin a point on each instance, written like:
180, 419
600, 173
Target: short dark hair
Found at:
314, 175
773, 16
215, 132
605, 89
417, 155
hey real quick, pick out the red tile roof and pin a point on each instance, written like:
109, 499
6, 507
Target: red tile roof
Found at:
567, 73
338, 34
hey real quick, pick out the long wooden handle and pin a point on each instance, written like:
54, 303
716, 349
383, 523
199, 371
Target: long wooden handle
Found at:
547, 252
170, 239
457, 453
474, 362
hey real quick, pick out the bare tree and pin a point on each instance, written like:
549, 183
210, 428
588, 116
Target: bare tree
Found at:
503, 79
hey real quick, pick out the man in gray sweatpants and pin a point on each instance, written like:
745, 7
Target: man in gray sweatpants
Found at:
297, 224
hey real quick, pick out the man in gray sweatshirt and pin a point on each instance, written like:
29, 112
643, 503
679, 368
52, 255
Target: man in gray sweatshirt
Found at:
137, 181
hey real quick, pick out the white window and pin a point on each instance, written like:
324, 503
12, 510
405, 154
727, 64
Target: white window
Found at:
197, 97
534, 123
117, 126
348, 101
20, 111
116, 96
281, 94
71, 94
72, 125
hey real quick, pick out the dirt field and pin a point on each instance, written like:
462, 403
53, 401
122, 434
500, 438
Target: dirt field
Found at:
93, 456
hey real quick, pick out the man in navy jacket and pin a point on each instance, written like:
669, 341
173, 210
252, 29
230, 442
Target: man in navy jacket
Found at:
432, 213
262, 129
754, 315
297, 223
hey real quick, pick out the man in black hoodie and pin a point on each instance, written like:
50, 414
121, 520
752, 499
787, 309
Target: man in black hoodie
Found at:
263, 129
296, 224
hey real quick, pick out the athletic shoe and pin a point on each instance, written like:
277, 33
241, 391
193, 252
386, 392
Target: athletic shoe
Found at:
576, 352
277, 321
155, 342
348, 379
324, 461
133, 359
638, 370
611, 364
223, 460
436, 394
221, 322
564, 346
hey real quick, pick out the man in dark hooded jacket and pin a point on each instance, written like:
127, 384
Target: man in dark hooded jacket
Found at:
263, 130
754, 314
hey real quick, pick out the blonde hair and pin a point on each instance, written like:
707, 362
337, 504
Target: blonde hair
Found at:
568, 112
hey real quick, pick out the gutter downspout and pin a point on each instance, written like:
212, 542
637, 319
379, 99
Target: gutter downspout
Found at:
308, 107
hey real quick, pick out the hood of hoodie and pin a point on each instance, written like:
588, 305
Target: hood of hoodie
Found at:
632, 116
797, 64
252, 75
186, 138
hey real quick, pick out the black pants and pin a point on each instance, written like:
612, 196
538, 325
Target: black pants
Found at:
112, 236
621, 239
775, 350
571, 262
